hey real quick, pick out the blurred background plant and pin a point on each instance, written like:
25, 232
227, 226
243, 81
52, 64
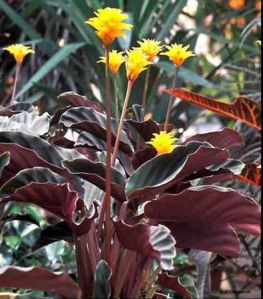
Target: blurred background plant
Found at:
224, 36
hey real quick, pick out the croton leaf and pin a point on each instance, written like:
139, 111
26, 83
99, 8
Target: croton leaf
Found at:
38, 279
225, 138
57, 199
4, 161
163, 171
94, 172
92, 121
181, 286
26, 176
77, 100
242, 108
102, 288
151, 241
210, 205
251, 174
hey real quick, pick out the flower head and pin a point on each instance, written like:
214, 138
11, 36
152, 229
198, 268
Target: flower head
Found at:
115, 61
258, 5
163, 142
177, 53
19, 51
136, 62
109, 24
236, 4
151, 48
240, 21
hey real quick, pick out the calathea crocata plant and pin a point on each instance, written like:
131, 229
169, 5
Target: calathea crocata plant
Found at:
126, 192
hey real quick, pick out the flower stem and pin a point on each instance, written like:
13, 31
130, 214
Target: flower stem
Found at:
169, 109
116, 97
145, 89
118, 137
15, 83
108, 160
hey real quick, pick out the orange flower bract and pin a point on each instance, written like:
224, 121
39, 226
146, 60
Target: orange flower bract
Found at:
109, 24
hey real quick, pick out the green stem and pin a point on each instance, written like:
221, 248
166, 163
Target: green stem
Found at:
169, 109
123, 113
18, 65
145, 89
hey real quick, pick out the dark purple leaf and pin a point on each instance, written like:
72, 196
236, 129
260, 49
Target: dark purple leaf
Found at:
4, 161
94, 122
144, 128
94, 172
38, 279
54, 233
143, 156
77, 100
163, 171
215, 237
214, 210
150, 241
173, 283
24, 217
225, 138
57, 199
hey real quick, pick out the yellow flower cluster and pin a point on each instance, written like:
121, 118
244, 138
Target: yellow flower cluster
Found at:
136, 63
163, 142
178, 53
151, 48
116, 59
109, 24
19, 51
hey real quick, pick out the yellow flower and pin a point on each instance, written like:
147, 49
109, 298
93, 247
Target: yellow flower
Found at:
19, 51
115, 61
237, 4
136, 62
177, 53
163, 142
151, 48
109, 24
